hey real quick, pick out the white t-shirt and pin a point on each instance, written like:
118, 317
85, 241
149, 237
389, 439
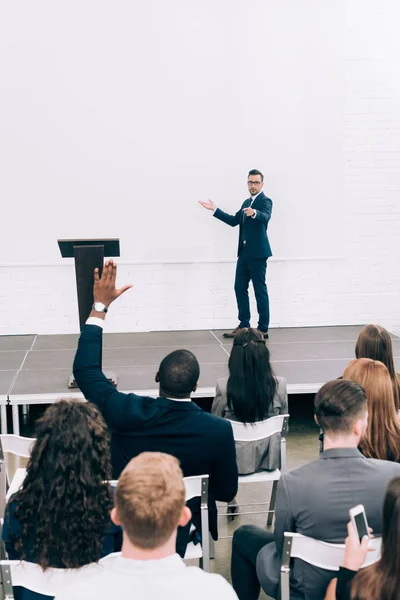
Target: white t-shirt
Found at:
167, 578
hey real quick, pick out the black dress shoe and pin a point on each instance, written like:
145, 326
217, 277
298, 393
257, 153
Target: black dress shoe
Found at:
264, 334
231, 334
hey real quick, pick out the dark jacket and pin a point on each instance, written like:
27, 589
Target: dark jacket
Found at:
315, 500
254, 231
203, 443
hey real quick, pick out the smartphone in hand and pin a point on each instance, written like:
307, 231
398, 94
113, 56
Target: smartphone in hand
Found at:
359, 520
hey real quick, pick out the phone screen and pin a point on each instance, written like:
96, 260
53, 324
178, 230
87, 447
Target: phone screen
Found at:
361, 525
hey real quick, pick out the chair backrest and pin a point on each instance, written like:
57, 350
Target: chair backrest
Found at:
15, 444
11, 444
32, 577
317, 553
250, 432
197, 487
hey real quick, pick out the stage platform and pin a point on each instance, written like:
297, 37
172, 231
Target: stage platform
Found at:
35, 369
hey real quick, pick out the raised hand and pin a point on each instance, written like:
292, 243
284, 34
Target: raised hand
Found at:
210, 205
104, 289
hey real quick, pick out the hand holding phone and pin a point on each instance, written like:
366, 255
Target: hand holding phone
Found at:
355, 552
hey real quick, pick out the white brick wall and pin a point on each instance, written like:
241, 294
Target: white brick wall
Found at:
361, 287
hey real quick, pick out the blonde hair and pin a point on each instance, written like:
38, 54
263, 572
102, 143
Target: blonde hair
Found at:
149, 499
375, 342
382, 439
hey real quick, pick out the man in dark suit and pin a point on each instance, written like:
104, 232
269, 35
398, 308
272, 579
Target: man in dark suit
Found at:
253, 251
171, 423
315, 500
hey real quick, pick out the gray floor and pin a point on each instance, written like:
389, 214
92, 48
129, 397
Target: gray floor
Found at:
306, 357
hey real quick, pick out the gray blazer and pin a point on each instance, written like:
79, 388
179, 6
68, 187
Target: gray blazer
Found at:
261, 454
315, 500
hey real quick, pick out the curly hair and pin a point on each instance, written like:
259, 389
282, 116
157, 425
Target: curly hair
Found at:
64, 504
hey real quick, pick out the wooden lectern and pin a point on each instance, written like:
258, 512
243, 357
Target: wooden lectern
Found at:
88, 255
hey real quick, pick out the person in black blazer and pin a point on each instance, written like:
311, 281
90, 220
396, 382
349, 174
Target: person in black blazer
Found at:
171, 423
253, 251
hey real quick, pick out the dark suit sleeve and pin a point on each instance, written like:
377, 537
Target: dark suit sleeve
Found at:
263, 213
231, 220
284, 519
224, 475
119, 410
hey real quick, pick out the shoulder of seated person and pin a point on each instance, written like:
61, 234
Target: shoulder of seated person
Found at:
222, 382
384, 465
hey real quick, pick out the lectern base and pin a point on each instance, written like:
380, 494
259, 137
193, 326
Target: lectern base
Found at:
111, 376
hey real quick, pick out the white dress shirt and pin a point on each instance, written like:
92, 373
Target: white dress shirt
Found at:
167, 578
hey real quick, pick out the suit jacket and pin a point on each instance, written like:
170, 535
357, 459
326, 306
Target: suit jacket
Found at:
203, 443
315, 500
254, 230
260, 454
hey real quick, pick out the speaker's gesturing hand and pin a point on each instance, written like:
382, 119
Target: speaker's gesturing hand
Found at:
210, 205
249, 212
104, 289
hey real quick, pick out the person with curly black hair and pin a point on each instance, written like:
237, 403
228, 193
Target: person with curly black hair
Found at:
61, 515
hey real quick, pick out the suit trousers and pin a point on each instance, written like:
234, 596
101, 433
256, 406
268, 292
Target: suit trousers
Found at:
253, 269
246, 544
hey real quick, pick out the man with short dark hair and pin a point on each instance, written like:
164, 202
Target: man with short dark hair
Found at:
253, 251
149, 505
171, 423
315, 500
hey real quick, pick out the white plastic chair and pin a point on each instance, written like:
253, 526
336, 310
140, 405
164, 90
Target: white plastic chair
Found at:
11, 444
259, 431
32, 577
17, 445
317, 553
197, 487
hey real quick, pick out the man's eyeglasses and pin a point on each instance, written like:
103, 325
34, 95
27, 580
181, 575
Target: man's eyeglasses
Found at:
254, 182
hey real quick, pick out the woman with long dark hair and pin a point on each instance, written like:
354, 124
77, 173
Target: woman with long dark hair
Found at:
382, 579
382, 438
375, 342
61, 515
250, 394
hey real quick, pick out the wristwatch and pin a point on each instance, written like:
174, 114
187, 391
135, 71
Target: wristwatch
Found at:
99, 307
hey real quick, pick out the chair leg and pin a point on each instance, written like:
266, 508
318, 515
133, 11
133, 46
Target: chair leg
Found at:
212, 546
272, 503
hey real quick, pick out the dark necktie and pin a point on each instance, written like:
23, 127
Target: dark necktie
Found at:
243, 224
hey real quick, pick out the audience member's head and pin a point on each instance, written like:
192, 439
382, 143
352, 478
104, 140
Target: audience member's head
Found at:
375, 342
178, 374
150, 504
341, 411
382, 438
64, 505
252, 383
382, 579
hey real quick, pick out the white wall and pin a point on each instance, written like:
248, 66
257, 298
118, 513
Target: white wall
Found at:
361, 285
115, 122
